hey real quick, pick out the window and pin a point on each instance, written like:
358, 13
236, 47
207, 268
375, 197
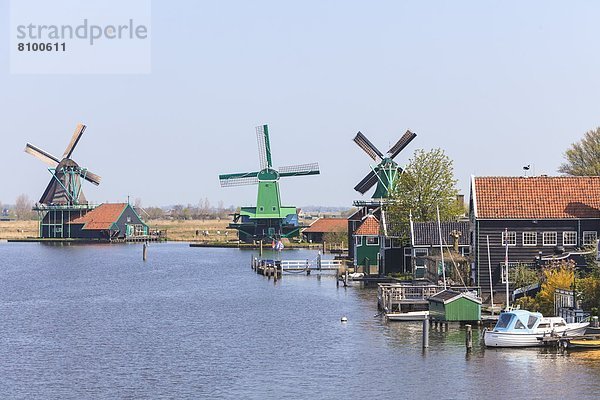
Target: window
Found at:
396, 243
570, 238
519, 325
421, 252
357, 240
128, 219
511, 237
387, 243
529, 238
504, 320
531, 321
589, 238
549, 238
372, 240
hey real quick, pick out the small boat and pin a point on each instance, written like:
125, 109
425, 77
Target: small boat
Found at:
521, 328
584, 343
407, 316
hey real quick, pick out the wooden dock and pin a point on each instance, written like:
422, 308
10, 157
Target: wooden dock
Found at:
276, 268
399, 297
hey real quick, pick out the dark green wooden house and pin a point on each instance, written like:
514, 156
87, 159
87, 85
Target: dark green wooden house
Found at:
450, 305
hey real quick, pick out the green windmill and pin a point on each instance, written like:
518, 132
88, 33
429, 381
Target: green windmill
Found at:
269, 219
385, 173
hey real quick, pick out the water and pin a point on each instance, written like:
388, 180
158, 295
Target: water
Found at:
97, 322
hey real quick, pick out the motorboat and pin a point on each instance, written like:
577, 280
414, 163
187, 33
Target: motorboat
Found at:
522, 328
407, 316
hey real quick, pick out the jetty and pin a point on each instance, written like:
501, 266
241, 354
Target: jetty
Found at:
396, 298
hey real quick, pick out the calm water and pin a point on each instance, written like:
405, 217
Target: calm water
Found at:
97, 322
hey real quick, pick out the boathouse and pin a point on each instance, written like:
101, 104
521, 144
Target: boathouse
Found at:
322, 226
540, 218
109, 221
366, 245
450, 305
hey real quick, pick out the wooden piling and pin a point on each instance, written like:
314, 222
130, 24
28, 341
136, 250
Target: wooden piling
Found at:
261, 248
425, 333
469, 338
145, 252
337, 277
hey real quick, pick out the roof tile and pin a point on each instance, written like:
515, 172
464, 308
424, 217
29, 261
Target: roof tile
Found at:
537, 197
101, 217
324, 225
369, 227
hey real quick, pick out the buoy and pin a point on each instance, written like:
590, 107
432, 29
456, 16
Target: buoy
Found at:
344, 319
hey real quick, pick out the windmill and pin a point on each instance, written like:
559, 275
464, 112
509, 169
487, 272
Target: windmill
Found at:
385, 173
64, 188
269, 219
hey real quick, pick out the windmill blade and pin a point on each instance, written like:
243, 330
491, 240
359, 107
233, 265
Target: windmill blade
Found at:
74, 140
300, 170
41, 155
90, 176
367, 183
239, 179
264, 147
364, 143
402, 143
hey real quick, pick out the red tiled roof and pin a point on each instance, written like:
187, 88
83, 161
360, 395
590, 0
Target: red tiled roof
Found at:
369, 227
101, 217
325, 225
537, 197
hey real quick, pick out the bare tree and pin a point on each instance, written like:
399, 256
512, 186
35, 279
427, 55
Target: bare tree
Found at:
23, 207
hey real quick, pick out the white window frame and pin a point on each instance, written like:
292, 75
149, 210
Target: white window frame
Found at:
424, 252
387, 243
530, 242
570, 244
375, 240
358, 240
545, 236
510, 235
586, 239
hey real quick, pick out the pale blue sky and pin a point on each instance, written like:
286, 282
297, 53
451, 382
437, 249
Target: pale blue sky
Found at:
498, 85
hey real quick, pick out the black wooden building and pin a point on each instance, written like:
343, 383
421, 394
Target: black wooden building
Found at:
537, 216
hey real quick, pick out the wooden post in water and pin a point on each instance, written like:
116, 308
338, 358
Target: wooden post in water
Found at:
145, 251
261, 249
323, 247
469, 338
425, 333
337, 277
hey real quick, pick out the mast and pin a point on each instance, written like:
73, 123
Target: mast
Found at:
506, 266
441, 246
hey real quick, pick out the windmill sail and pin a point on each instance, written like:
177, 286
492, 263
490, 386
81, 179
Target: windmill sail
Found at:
41, 155
366, 183
299, 170
264, 147
74, 140
364, 143
402, 143
239, 179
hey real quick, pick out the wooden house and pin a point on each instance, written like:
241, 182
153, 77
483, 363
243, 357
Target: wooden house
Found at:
322, 226
366, 245
537, 217
109, 221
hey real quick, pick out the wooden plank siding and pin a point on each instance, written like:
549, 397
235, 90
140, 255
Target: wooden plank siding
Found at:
519, 253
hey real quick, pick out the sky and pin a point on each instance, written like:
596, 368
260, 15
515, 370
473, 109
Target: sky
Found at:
497, 85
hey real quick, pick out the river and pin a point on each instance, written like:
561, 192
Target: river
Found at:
95, 321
